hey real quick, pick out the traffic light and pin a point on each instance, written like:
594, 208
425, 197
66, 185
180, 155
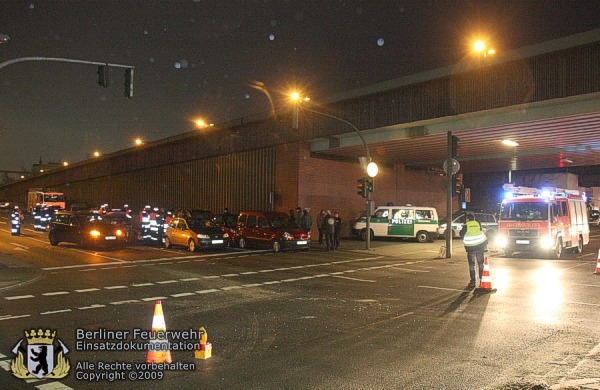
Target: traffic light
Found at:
103, 76
129, 83
454, 146
369, 183
362, 187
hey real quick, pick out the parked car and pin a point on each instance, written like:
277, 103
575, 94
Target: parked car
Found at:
87, 230
195, 233
4, 205
270, 229
594, 218
193, 213
488, 222
228, 223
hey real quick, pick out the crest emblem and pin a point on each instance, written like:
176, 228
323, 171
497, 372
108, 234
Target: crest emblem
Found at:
40, 358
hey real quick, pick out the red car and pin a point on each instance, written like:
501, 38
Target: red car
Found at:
270, 229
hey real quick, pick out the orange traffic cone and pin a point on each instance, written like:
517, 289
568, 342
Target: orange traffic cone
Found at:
597, 272
205, 350
158, 355
486, 279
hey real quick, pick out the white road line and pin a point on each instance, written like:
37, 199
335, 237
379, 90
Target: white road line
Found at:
586, 285
95, 306
212, 277
182, 295
210, 290
228, 275
358, 280
272, 282
410, 270
142, 284
88, 290
56, 293
290, 280
583, 303
181, 262
231, 288
19, 245
266, 270
248, 273
124, 302
153, 299
111, 268
18, 297
56, 311
129, 266
167, 281
114, 287
10, 317
252, 285
189, 279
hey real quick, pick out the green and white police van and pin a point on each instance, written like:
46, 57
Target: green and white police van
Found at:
407, 221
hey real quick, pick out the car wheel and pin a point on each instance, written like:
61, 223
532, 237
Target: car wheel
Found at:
168, 243
422, 236
242, 243
558, 250
276, 246
363, 234
192, 246
53, 240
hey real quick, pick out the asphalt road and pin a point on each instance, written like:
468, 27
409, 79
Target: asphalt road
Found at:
393, 317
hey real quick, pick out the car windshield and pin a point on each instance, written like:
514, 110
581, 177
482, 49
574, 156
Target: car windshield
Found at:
524, 211
279, 222
199, 223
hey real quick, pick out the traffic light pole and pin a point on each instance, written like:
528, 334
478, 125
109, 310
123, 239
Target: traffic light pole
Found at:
449, 191
368, 240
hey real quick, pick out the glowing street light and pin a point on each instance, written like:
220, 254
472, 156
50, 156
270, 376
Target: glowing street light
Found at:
4, 38
96, 154
138, 141
481, 48
65, 163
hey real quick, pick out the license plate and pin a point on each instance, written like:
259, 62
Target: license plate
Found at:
524, 242
302, 242
217, 241
110, 238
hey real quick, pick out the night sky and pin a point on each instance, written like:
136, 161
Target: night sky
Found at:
197, 59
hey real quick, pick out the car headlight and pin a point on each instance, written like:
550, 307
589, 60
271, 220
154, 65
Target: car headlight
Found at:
119, 232
287, 236
501, 240
308, 234
546, 242
203, 236
94, 233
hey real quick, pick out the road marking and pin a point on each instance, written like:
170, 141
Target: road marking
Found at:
210, 290
586, 285
212, 277
583, 303
252, 285
182, 295
95, 306
444, 288
248, 273
142, 284
189, 279
114, 287
124, 302
153, 299
358, 280
88, 290
56, 311
19, 245
10, 317
272, 282
167, 281
410, 270
56, 293
18, 297
231, 288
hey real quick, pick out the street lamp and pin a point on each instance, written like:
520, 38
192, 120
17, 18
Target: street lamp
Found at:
96, 154
369, 166
480, 47
138, 141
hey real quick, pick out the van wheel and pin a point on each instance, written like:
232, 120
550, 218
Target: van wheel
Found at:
276, 246
167, 243
192, 246
422, 236
363, 234
579, 248
53, 240
558, 250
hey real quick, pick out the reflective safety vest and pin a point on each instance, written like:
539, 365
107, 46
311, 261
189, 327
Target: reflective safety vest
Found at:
474, 236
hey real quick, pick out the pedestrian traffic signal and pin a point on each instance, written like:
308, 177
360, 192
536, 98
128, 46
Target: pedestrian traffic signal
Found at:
103, 76
369, 183
361, 187
129, 83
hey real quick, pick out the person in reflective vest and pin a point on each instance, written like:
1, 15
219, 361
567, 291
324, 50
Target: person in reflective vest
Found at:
16, 217
153, 233
475, 242
37, 216
145, 222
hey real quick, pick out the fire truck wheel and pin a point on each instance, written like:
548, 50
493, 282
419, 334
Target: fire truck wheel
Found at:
558, 251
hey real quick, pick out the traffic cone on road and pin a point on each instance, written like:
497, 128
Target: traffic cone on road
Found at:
597, 272
486, 279
205, 350
157, 353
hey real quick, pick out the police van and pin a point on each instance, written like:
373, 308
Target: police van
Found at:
407, 221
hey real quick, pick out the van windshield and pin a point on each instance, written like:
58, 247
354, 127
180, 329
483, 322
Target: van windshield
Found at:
524, 211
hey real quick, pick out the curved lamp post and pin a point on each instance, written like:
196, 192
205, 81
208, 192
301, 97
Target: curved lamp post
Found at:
371, 167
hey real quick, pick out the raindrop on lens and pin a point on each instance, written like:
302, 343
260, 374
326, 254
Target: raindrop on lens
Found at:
380, 42
271, 37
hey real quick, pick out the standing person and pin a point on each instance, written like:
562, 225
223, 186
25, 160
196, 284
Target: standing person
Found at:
292, 219
16, 217
329, 229
306, 221
321, 225
299, 217
338, 230
475, 243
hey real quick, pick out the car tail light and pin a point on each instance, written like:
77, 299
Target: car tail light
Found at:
94, 233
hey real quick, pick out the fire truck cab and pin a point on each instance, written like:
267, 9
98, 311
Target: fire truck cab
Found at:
547, 220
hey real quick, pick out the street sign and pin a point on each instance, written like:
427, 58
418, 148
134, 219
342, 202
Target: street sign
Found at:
455, 166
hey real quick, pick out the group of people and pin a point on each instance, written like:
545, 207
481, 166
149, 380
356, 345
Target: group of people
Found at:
330, 227
154, 222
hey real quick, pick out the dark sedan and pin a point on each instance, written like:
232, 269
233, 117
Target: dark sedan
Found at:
88, 229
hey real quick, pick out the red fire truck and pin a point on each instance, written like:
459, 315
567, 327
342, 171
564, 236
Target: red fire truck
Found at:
547, 220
